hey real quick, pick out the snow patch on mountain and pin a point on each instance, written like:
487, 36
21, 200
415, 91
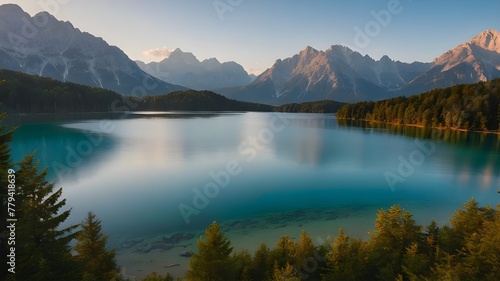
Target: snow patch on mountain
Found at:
45, 46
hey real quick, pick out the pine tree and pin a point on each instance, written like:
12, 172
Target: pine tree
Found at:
346, 259
306, 261
242, 262
415, 264
261, 267
490, 246
395, 231
464, 224
431, 239
304, 249
480, 257
284, 253
98, 262
447, 269
286, 273
213, 261
42, 248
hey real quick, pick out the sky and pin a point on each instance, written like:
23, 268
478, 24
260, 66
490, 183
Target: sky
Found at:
255, 33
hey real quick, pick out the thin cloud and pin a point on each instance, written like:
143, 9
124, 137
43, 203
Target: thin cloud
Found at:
158, 53
255, 71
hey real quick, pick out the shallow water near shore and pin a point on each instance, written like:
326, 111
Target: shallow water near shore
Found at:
157, 181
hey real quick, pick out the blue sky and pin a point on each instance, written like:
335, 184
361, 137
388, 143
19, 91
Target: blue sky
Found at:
255, 33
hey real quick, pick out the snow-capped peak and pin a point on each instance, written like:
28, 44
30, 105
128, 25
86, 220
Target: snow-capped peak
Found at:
58, 50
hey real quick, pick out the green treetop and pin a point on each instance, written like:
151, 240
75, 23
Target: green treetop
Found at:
213, 260
42, 247
99, 263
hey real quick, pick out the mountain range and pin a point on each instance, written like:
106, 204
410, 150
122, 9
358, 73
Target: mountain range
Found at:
183, 68
342, 74
44, 46
477, 60
335, 74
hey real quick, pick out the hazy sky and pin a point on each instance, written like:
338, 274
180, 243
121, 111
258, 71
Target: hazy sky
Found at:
255, 33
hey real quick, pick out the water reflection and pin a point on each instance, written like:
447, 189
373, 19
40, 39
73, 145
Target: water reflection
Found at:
473, 157
150, 163
57, 148
23, 119
469, 139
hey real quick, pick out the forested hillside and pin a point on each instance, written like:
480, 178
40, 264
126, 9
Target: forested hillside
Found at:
474, 107
196, 101
23, 93
325, 106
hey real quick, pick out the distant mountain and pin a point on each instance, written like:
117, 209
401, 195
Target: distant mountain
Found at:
470, 62
24, 93
344, 75
335, 74
44, 46
183, 68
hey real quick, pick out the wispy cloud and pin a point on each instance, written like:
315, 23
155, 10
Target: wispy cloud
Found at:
255, 71
158, 53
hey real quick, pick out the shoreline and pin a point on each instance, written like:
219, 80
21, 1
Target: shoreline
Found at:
147, 254
140, 256
422, 126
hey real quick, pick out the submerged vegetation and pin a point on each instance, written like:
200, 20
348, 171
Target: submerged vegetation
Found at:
398, 247
470, 107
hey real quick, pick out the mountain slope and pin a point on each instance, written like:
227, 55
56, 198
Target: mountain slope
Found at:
470, 62
24, 93
44, 46
335, 74
344, 75
183, 68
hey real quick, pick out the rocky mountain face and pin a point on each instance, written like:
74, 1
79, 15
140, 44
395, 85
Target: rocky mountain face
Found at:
335, 74
470, 62
44, 46
344, 75
183, 68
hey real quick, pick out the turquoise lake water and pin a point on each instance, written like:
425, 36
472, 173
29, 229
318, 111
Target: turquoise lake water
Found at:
147, 174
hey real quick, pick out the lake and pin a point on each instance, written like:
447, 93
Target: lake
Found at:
157, 180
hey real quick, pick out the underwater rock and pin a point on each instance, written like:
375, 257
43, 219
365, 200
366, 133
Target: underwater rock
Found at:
186, 254
178, 237
130, 243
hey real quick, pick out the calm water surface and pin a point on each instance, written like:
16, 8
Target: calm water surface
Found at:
137, 173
